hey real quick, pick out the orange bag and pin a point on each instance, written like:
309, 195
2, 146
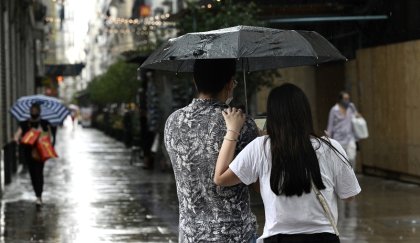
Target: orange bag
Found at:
30, 137
45, 149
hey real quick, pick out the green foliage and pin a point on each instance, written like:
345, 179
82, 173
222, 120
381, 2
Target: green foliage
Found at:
118, 85
222, 14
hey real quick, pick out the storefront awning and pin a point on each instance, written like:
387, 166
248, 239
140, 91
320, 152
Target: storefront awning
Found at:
134, 57
63, 69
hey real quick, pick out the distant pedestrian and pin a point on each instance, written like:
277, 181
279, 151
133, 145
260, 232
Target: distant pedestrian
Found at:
73, 116
340, 126
292, 165
128, 126
149, 118
36, 167
193, 136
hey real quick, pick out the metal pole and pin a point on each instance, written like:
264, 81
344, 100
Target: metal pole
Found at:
246, 94
194, 24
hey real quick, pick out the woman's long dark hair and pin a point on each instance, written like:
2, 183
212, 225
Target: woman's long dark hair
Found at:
290, 128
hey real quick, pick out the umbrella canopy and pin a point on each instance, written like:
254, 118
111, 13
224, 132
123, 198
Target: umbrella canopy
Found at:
255, 48
52, 109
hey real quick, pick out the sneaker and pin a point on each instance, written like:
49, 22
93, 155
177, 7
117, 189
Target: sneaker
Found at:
38, 201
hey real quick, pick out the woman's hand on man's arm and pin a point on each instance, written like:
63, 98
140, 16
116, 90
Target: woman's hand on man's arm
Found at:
223, 176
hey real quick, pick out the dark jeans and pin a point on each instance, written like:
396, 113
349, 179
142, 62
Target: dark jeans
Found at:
36, 171
303, 238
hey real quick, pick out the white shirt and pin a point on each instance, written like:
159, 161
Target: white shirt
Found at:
340, 126
296, 215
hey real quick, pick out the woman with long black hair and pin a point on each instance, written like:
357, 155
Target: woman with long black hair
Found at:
296, 170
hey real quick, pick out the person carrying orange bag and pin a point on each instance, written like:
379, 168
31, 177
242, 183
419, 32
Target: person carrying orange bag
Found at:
44, 147
30, 137
31, 156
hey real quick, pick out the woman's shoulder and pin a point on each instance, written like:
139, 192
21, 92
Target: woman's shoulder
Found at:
330, 152
257, 143
261, 139
333, 142
336, 145
326, 144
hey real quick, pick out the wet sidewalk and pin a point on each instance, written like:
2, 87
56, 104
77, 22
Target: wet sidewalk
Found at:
385, 211
93, 194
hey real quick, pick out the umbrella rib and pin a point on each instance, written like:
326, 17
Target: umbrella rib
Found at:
179, 67
239, 43
308, 45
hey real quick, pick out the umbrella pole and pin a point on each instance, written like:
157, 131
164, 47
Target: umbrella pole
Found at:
246, 96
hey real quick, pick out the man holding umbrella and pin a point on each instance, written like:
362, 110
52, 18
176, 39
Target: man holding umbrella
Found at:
193, 136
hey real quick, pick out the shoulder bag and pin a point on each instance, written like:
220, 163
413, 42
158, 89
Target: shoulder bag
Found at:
325, 207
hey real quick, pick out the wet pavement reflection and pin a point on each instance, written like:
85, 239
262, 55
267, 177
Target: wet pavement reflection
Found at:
93, 194
385, 211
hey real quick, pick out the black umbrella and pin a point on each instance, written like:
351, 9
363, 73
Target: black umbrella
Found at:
255, 48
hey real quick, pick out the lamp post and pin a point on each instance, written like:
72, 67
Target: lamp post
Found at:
194, 20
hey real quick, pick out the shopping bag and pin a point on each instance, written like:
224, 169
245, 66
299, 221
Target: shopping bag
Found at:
30, 137
360, 127
45, 149
35, 154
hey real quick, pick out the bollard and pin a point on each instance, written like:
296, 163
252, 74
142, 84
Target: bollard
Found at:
1, 172
9, 161
13, 157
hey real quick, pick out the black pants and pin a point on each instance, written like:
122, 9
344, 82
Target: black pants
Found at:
303, 238
36, 171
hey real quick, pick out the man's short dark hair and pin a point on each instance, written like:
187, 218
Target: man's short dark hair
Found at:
211, 75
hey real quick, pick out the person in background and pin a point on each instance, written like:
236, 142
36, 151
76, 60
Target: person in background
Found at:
36, 168
128, 126
73, 116
340, 126
193, 136
291, 164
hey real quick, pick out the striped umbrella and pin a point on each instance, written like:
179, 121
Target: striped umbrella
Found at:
52, 109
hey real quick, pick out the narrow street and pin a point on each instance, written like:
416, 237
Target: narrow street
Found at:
93, 194
123, 66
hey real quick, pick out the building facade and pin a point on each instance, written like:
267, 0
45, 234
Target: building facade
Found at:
21, 55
